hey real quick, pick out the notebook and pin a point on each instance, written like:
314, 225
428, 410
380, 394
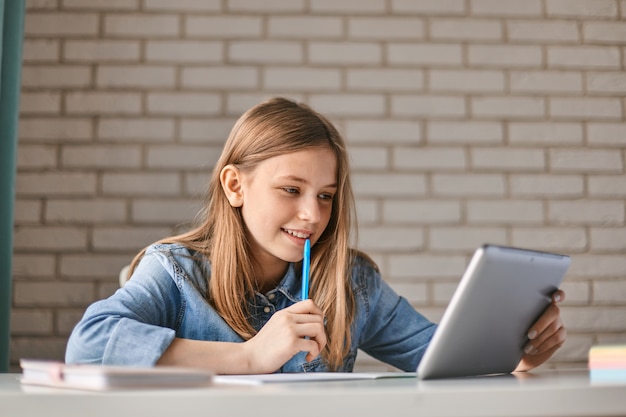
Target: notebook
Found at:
501, 294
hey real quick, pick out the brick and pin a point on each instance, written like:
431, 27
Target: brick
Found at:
348, 6
582, 8
414, 293
126, 238
551, 239
305, 27
50, 239
61, 24
183, 157
466, 81
177, 103
31, 322
55, 184
585, 160
429, 159
508, 159
36, 156
388, 185
595, 319
100, 156
101, 50
367, 211
428, 106
599, 134
220, 78
387, 238
33, 266
532, 8
509, 56
386, 29
598, 266
27, 212
613, 83
155, 211
141, 25
546, 82
135, 77
345, 53
464, 132
385, 80
608, 239
55, 129
607, 185
421, 211
584, 57
135, 129
586, 212
41, 50
609, 292
426, 266
300, 79
605, 32
509, 107
455, 239
185, 6
266, 52
52, 348
402, 54
66, 319
40, 103
465, 29
540, 31
206, 130
49, 294
85, 211
471, 184
349, 104
443, 292
141, 184
448, 7
547, 185
238, 103
383, 131
103, 103
101, 4
57, 76
92, 267
267, 6
552, 133
369, 158
576, 293
187, 51
224, 27
514, 212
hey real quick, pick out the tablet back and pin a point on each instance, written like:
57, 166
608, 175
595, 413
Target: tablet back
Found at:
501, 294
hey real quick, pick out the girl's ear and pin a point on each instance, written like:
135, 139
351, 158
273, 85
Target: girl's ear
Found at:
230, 178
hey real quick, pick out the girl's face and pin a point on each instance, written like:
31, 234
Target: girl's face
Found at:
286, 200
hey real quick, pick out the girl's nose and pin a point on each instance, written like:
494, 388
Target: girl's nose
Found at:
310, 210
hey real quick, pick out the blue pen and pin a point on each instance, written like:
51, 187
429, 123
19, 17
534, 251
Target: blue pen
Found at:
306, 266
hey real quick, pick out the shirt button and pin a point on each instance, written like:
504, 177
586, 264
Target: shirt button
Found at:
271, 296
267, 309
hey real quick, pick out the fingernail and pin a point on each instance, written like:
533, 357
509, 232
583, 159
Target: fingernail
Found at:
528, 348
557, 298
532, 334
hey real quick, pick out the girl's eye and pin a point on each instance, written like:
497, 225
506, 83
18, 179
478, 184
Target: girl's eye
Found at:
290, 190
326, 196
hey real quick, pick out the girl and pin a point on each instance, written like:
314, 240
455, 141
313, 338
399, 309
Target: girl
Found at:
225, 295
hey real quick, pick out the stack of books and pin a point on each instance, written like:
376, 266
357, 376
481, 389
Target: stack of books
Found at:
607, 364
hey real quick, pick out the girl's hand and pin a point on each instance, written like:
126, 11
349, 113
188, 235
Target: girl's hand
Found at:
298, 328
546, 335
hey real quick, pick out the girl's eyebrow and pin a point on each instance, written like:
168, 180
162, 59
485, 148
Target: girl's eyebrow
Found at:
302, 180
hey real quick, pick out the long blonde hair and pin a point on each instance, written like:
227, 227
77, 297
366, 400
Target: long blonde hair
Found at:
275, 127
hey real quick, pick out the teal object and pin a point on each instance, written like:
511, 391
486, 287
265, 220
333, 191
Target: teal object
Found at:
11, 33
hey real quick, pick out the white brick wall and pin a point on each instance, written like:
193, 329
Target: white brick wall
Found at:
468, 121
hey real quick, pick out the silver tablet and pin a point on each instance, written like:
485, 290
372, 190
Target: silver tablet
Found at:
501, 294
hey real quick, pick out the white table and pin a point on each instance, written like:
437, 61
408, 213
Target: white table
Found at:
542, 393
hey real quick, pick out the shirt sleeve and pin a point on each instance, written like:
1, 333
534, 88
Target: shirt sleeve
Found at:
393, 331
136, 324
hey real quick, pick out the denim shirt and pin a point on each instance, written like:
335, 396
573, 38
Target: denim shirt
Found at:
166, 298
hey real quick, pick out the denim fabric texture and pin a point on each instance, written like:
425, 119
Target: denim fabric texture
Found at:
166, 298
